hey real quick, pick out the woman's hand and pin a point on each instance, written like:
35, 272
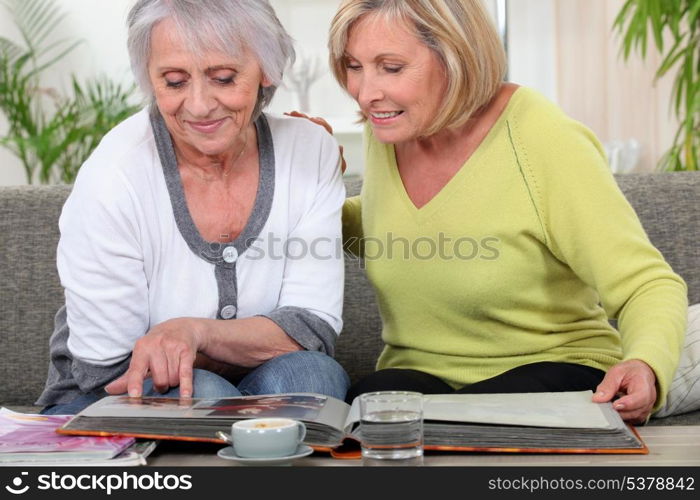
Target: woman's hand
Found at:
635, 381
320, 121
166, 354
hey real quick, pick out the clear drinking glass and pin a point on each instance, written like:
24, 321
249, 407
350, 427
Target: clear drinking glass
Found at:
391, 425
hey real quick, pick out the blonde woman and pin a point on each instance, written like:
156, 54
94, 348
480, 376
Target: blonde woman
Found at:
494, 235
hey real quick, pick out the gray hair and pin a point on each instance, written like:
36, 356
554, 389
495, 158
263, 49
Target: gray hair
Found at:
227, 25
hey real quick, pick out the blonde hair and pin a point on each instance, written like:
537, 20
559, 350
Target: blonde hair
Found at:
460, 32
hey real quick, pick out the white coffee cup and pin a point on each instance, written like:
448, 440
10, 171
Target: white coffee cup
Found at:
267, 437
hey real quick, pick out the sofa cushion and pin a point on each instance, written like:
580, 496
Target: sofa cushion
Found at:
668, 206
30, 292
684, 394
360, 341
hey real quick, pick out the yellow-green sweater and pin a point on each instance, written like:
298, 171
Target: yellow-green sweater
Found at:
522, 257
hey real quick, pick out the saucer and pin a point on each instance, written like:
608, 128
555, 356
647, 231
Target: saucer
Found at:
229, 453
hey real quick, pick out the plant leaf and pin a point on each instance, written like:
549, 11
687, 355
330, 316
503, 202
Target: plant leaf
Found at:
51, 134
676, 52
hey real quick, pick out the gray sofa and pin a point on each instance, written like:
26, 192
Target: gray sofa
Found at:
30, 294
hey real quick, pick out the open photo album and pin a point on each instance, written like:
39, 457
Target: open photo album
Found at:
563, 422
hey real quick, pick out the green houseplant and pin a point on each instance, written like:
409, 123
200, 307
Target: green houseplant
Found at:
52, 134
675, 29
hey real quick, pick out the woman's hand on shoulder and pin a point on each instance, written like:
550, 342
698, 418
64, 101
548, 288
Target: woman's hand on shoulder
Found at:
166, 354
635, 383
320, 121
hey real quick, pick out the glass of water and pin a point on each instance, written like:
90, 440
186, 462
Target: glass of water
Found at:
391, 425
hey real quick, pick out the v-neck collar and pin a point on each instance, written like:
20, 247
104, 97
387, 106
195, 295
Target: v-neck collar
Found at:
455, 183
208, 250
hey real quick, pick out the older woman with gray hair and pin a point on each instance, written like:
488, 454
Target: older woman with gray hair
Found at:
198, 246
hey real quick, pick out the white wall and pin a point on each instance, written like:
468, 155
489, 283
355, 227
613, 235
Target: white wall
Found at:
532, 45
307, 21
101, 25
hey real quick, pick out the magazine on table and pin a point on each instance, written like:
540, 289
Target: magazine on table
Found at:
559, 422
30, 439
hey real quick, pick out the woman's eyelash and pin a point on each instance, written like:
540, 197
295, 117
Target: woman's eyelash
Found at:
177, 84
388, 69
224, 81
351, 64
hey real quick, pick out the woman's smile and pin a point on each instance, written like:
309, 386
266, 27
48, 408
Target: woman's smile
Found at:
385, 118
206, 127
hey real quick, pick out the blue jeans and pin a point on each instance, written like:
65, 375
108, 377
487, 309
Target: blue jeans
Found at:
300, 371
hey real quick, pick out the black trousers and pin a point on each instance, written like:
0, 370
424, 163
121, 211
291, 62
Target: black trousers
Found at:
536, 377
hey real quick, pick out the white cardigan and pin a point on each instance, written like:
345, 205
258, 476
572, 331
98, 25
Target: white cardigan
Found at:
129, 256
